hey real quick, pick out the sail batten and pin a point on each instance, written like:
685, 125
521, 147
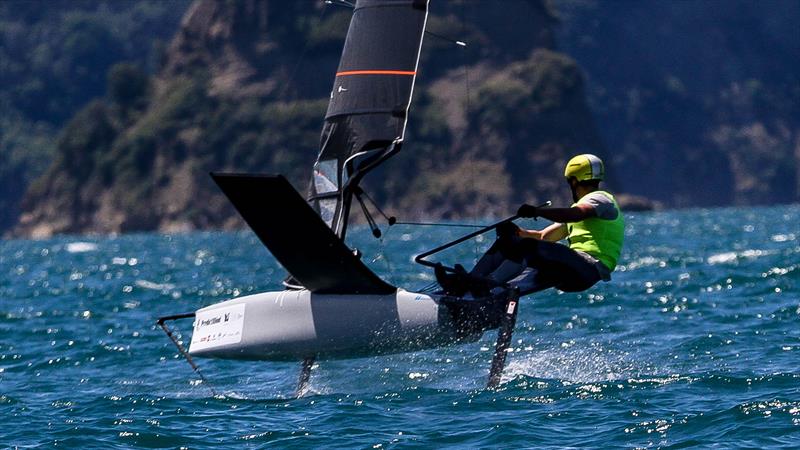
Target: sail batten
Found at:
368, 111
376, 72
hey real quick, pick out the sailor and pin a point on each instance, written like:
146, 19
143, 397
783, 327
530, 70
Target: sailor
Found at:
533, 260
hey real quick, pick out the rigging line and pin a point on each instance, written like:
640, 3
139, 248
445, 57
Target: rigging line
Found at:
383, 255
162, 323
288, 92
467, 105
347, 4
445, 38
390, 219
433, 224
416, 68
302, 57
375, 230
466, 64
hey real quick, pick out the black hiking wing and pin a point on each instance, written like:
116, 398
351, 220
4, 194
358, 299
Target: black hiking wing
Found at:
298, 238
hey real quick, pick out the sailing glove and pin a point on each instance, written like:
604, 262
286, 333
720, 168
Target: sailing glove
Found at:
507, 230
527, 210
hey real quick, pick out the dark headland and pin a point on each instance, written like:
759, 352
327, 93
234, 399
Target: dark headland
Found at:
115, 112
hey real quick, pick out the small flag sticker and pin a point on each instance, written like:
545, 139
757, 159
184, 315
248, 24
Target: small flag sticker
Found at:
511, 306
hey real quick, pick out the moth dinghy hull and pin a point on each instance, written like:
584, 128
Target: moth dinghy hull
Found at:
297, 324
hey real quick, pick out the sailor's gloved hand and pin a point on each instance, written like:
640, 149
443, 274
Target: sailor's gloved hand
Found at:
507, 230
527, 210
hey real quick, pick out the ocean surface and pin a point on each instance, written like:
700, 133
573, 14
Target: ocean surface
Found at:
695, 343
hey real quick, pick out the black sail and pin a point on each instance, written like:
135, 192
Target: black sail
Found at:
371, 94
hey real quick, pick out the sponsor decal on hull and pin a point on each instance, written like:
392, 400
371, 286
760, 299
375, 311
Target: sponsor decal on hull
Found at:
218, 327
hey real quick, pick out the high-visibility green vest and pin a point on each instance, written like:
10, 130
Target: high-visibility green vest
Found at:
598, 237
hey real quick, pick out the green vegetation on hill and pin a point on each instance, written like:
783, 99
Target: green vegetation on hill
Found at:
56, 53
697, 105
54, 57
691, 94
117, 159
244, 87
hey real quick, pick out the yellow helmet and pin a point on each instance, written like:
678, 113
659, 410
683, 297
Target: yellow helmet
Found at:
585, 167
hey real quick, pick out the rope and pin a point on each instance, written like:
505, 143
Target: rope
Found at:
290, 81
382, 255
431, 224
467, 105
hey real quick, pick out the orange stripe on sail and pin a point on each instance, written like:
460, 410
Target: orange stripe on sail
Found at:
375, 72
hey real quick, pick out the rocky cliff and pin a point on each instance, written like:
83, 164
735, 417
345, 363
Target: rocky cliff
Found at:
244, 87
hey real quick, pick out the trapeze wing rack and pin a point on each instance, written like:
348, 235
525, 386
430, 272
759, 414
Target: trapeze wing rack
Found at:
298, 238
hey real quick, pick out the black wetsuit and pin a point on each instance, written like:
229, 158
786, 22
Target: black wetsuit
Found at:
541, 265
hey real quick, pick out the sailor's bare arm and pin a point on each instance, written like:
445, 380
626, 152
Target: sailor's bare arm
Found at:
554, 232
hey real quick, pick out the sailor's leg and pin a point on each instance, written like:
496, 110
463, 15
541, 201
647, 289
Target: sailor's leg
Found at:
305, 376
560, 266
533, 280
503, 249
507, 270
487, 264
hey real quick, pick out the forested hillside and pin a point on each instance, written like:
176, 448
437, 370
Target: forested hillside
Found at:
698, 101
118, 110
54, 58
244, 86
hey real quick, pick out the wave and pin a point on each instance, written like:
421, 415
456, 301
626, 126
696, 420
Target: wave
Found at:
80, 247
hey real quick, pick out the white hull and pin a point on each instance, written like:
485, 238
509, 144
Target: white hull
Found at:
296, 324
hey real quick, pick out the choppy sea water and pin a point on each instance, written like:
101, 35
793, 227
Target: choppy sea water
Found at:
696, 342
